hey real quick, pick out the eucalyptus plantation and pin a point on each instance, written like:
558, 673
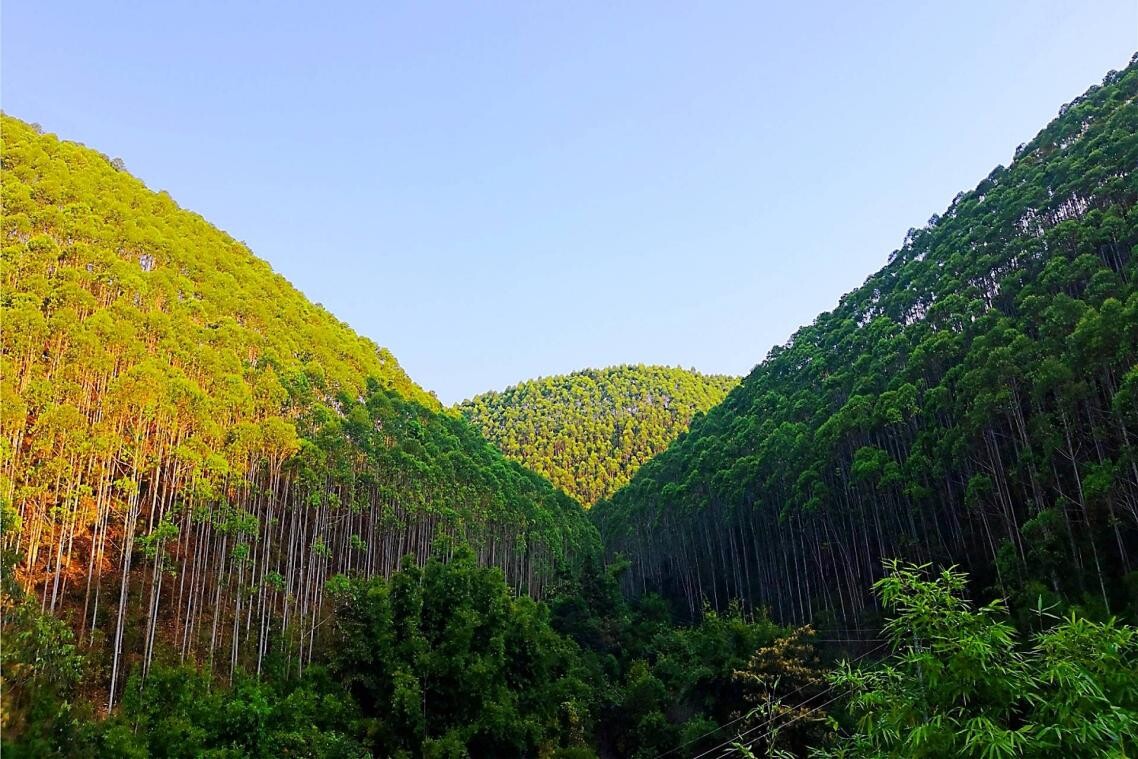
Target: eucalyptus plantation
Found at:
232, 526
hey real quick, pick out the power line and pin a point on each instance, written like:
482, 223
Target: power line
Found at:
848, 640
674, 749
771, 731
791, 721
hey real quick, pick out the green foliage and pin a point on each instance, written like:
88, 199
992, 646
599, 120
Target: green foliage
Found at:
178, 712
182, 427
963, 682
658, 686
40, 666
107, 268
972, 403
192, 450
588, 432
445, 660
783, 688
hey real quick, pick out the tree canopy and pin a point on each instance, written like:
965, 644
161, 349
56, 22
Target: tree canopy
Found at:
973, 402
589, 431
230, 526
190, 448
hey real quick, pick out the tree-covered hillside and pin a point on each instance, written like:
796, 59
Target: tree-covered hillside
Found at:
231, 527
588, 432
974, 402
189, 448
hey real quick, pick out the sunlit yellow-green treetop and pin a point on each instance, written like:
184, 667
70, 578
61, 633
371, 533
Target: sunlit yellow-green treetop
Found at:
588, 432
189, 448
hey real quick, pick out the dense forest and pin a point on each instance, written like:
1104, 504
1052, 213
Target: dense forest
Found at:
442, 660
974, 402
589, 431
231, 527
445, 661
192, 448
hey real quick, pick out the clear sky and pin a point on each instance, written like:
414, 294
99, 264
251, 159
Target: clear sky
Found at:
502, 190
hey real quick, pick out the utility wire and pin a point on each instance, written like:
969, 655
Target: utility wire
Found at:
817, 695
674, 749
771, 732
725, 724
846, 640
795, 719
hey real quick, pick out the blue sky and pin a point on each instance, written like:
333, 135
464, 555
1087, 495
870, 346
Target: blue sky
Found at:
497, 191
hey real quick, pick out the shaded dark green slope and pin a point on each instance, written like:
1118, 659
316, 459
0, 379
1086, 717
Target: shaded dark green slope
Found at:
191, 449
975, 401
589, 431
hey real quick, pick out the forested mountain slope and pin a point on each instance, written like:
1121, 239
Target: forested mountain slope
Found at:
192, 448
975, 401
589, 431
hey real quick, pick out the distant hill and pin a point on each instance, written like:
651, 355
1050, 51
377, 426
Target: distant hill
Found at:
589, 431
